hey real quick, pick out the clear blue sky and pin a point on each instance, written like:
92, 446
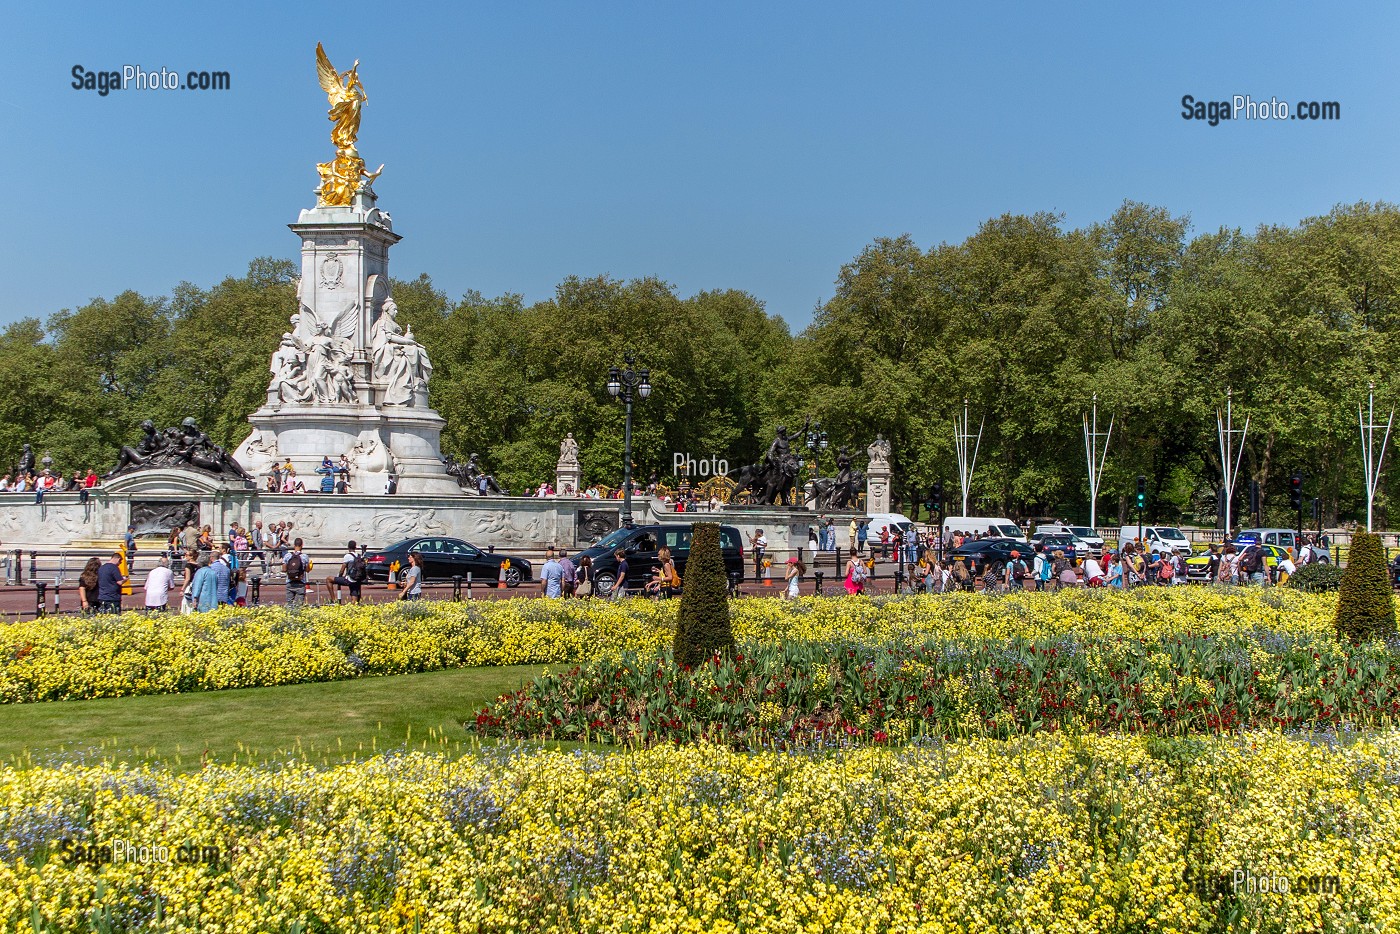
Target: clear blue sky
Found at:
715, 145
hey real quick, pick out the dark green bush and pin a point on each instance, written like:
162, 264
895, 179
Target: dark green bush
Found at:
1316, 578
702, 625
1365, 604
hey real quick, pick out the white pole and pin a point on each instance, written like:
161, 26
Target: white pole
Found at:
1229, 458
1372, 466
1095, 457
962, 434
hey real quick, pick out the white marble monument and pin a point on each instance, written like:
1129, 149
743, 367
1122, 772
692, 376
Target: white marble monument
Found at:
347, 378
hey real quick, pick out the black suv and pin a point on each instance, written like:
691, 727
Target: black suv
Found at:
642, 542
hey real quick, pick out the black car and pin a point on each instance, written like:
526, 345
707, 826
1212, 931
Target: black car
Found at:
642, 542
1055, 541
445, 558
991, 552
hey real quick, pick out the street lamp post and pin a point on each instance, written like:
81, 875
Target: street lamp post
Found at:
624, 384
816, 443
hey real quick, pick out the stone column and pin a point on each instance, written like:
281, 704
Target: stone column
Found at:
877, 476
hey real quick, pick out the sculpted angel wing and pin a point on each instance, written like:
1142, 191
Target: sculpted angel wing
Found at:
307, 324
343, 325
329, 77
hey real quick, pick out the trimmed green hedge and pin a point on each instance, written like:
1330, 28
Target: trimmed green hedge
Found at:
1316, 578
1365, 604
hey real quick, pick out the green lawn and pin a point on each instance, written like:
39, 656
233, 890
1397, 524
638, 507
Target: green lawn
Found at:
320, 723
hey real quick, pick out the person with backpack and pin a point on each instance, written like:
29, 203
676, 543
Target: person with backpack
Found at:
1041, 567
1133, 566
856, 572
1225, 573
1252, 567
1166, 569
353, 574
1015, 572
961, 575
295, 566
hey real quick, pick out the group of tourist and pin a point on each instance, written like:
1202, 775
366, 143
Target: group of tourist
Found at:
335, 477
47, 481
562, 577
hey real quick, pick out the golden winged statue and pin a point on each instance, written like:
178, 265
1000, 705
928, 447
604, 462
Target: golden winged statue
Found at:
347, 96
340, 177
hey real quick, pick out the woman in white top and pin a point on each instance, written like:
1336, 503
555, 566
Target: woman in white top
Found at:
795, 571
413, 578
1093, 573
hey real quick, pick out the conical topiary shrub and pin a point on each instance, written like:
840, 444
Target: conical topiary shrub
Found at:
1365, 605
702, 625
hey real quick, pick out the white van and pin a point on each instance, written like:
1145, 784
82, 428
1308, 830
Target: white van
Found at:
1163, 536
977, 525
896, 522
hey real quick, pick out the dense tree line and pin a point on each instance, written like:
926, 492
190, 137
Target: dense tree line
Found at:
1025, 319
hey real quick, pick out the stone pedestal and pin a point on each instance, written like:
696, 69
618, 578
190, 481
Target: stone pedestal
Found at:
343, 291
877, 487
567, 477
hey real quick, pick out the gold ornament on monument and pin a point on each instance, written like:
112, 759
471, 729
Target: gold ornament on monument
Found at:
341, 177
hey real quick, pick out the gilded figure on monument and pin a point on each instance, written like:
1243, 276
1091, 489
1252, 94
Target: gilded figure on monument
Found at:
340, 178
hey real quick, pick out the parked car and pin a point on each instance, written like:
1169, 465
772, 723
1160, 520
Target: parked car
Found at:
1284, 538
976, 525
1086, 539
1162, 536
642, 542
1059, 541
990, 552
445, 558
1198, 565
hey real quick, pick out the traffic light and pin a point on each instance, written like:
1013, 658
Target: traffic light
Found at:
935, 498
1141, 492
1295, 491
1317, 508
1254, 497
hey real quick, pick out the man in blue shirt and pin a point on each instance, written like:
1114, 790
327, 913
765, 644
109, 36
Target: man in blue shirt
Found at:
552, 576
223, 573
109, 585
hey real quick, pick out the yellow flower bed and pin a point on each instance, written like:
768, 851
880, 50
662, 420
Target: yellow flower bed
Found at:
61, 658
1048, 835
